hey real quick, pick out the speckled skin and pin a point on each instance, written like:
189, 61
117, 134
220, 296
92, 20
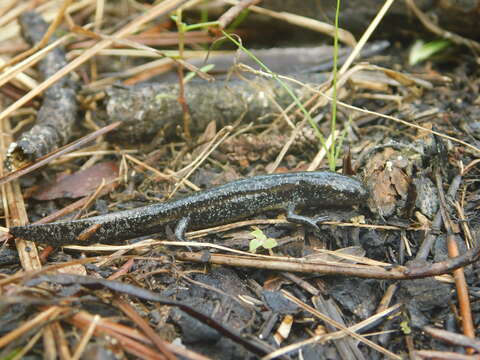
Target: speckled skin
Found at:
215, 206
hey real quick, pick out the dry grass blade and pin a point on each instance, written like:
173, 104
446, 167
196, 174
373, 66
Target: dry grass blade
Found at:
356, 259
157, 10
148, 167
317, 160
15, 12
366, 35
151, 242
141, 47
234, 11
51, 29
14, 71
61, 340
7, 5
387, 297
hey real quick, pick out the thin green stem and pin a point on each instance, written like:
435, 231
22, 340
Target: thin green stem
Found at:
333, 124
287, 89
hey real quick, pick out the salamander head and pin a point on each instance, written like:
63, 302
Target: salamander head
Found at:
332, 189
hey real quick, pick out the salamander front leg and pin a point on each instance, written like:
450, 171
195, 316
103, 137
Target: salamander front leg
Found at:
305, 220
181, 228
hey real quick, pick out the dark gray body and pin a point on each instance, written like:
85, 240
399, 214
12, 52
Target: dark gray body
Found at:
215, 206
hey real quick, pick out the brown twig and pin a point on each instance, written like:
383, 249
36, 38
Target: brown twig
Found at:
387, 297
459, 275
431, 234
457, 39
229, 15
453, 338
124, 269
330, 268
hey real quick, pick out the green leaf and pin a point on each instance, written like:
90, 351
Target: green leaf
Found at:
405, 327
259, 235
270, 243
422, 51
254, 245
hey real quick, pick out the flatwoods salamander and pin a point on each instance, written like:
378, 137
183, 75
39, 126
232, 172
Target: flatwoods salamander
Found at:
215, 206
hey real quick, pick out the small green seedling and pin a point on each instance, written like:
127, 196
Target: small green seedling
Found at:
405, 327
422, 51
261, 240
183, 27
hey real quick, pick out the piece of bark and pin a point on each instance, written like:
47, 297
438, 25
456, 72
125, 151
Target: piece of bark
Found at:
148, 109
58, 112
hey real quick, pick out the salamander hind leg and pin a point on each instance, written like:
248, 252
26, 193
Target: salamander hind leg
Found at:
305, 220
181, 228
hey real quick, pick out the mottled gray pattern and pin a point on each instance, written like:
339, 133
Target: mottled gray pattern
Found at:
219, 205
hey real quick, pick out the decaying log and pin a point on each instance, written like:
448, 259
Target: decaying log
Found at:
150, 109
58, 112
